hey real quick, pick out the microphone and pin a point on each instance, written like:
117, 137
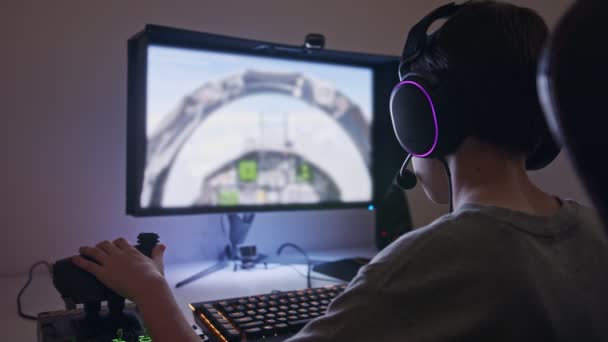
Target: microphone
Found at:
393, 215
405, 179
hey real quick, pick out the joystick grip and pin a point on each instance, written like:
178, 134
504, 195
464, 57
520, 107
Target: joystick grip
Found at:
82, 287
146, 243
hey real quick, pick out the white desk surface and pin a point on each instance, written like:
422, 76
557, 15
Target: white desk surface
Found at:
41, 295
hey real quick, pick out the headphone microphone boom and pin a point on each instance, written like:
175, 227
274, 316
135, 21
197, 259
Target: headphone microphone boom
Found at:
405, 179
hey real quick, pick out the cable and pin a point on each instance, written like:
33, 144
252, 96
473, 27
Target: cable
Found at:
407, 160
29, 280
296, 247
447, 170
224, 227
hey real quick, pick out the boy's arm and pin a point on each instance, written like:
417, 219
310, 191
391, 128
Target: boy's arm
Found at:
163, 317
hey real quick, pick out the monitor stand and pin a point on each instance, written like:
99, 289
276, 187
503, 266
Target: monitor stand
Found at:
238, 228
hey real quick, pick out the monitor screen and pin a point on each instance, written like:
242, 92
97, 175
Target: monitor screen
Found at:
231, 130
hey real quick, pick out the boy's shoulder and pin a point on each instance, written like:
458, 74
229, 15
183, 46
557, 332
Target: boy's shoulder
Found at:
445, 234
481, 239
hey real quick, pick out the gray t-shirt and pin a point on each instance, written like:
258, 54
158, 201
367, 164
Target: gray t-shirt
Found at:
481, 273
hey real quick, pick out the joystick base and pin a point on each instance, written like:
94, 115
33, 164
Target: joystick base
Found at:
75, 326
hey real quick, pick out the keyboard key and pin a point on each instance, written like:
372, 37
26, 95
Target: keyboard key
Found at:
269, 330
236, 314
252, 333
251, 325
281, 326
296, 325
223, 321
243, 320
232, 335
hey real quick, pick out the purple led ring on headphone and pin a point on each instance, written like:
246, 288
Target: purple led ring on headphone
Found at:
428, 97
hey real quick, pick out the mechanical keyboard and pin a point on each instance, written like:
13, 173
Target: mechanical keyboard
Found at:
270, 317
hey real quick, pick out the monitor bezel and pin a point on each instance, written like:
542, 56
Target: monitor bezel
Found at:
384, 77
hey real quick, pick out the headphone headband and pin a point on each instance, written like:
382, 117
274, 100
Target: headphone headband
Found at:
417, 38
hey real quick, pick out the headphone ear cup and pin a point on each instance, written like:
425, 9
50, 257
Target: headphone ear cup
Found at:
413, 116
544, 154
544, 88
551, 141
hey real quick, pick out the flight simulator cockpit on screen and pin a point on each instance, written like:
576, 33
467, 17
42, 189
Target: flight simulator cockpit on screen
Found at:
225, 129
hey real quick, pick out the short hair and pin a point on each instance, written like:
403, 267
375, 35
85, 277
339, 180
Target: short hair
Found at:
495, 47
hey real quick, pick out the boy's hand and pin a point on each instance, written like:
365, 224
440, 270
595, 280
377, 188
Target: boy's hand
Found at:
123, 268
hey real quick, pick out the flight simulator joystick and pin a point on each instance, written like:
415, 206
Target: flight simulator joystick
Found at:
92, 323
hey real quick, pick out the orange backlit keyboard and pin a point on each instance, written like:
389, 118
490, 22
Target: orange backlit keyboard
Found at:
270, 317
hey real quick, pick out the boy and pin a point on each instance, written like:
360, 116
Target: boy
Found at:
510, 263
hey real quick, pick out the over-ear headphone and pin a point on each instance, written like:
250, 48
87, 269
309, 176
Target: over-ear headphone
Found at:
428, 113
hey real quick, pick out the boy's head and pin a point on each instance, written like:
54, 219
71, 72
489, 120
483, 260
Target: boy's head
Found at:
493, 48
487, 54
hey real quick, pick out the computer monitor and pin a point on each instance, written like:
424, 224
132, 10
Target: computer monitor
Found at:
222, 124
